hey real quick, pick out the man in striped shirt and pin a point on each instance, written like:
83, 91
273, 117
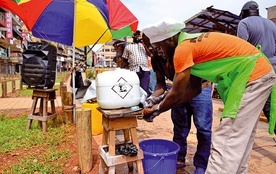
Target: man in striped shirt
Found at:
137, 56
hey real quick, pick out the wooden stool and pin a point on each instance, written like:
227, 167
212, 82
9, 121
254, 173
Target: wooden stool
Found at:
42, 115
113, 120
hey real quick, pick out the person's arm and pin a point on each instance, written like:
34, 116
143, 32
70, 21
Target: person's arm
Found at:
185, 87
160, 86
125, 54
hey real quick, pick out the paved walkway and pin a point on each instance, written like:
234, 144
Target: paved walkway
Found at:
20, 103
262, 159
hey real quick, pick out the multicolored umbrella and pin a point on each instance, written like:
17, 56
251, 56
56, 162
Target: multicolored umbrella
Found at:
21, 1
74, 22
96, 21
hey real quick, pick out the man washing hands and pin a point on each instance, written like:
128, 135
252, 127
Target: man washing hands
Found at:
240, 71
151, 107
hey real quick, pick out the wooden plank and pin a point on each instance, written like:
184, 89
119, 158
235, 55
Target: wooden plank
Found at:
4, 89
68, 107
119, 123
13, 86
124, 112
42, 90
42, 118
84, 135
118, 159
112, 142
104, 137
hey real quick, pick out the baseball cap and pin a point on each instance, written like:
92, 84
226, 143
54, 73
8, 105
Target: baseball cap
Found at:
250, 5
163, 29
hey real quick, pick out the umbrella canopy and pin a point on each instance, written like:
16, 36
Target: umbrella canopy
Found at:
74, 22
96, 21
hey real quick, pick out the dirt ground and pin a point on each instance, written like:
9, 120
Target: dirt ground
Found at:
71, 166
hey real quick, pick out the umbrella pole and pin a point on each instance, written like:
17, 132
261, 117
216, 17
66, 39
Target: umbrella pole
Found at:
73, 61
74, 86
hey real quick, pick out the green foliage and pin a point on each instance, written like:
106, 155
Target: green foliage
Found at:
91, 73
61, 75
55, 155
2, 116
39, 164
25, 91
13, 136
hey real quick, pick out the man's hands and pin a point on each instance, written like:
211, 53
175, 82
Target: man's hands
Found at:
151, 113
151, 107
152, 100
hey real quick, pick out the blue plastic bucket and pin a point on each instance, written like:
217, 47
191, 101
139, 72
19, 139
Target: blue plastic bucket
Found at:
160, 156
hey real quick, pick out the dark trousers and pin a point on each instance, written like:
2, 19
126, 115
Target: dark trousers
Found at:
202, 110
144, 77
78, 80
266, 110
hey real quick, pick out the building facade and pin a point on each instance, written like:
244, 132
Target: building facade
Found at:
14, 35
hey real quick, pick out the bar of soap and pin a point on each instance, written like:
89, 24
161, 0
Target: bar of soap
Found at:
134, 108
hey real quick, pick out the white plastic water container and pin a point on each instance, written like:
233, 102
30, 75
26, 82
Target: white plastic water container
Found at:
118, 89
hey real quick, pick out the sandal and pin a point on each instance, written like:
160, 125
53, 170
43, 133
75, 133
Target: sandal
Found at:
180, 164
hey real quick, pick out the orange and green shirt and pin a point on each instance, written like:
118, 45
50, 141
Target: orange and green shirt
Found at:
226, 60
214, 46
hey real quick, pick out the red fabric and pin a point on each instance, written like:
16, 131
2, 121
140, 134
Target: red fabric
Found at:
34, 7
120, 16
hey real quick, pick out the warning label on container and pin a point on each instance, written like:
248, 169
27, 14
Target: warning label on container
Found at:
122, 87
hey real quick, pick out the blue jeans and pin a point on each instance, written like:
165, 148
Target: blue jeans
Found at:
202, 110
152, 82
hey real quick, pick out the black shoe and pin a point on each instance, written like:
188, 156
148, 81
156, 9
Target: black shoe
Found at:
180, 164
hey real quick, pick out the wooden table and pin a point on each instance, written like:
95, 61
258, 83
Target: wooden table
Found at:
42, 115
114, 120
